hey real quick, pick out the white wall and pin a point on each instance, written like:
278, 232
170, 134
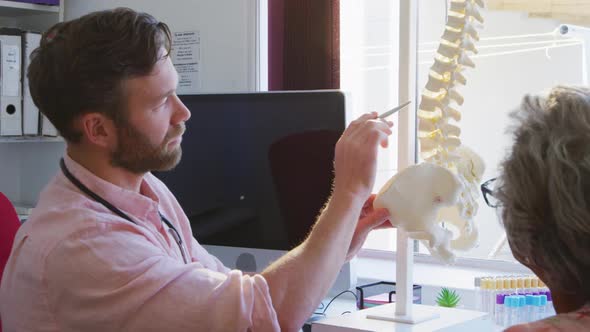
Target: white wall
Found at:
228, 30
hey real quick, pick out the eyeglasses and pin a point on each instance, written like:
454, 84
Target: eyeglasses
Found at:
487, 189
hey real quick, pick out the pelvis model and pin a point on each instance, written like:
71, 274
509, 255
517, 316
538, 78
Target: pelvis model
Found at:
443, 188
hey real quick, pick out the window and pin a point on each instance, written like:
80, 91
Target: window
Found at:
518, 55
368, 67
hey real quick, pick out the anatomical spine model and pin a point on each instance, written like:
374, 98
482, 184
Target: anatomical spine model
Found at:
444, 188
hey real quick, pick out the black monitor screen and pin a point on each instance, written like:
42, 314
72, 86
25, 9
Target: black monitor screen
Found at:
257, 168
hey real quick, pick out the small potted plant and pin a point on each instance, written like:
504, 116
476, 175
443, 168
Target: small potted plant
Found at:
448, 298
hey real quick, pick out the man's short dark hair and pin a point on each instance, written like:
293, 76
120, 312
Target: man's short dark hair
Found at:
81, 64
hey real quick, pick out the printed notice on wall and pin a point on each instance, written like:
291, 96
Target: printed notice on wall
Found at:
186, 56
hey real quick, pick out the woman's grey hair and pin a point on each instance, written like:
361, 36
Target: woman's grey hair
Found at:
544, 187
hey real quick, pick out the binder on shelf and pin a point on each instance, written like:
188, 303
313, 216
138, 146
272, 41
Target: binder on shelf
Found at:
31, 40
10, 82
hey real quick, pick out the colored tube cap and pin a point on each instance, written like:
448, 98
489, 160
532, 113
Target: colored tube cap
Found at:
543, 299
529, 299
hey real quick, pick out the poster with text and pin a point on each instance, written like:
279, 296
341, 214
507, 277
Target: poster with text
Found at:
186, 56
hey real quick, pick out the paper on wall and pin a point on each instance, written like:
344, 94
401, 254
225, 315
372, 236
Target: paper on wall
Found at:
186, 57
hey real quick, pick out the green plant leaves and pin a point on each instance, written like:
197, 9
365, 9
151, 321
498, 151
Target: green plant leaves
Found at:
448, 298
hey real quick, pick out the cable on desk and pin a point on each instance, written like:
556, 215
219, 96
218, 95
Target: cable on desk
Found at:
335, 297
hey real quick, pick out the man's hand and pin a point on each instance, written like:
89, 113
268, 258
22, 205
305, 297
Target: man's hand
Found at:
355, 161
369, 219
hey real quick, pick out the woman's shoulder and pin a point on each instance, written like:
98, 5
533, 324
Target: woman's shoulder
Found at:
578, 320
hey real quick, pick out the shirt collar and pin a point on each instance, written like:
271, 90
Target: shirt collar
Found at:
139, 205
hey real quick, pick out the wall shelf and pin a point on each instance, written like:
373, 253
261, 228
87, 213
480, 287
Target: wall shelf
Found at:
12, 9
28, 163
31, 139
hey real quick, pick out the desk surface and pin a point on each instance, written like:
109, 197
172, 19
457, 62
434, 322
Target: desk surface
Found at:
449, 320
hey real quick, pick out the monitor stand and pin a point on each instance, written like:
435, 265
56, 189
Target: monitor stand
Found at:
256, 260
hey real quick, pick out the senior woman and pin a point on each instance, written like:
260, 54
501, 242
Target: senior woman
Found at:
544, 196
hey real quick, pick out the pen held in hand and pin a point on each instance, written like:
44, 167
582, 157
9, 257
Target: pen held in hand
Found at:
394, 110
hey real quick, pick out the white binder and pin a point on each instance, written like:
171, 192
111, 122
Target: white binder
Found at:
31, 40
10, 81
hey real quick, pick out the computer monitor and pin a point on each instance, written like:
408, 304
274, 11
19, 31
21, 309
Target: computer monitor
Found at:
256, 170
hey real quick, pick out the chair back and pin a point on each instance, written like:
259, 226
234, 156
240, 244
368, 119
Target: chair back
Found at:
302, 166
9, 224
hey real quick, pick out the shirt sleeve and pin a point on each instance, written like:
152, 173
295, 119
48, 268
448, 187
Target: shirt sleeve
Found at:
199, 254
112, 279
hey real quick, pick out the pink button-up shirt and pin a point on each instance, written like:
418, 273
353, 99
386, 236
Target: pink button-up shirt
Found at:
76, 266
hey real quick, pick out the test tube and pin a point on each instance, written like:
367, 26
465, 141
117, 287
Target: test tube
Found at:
500, 309
478, 295
535, 285
496, 291
527, 285
520, 286
511, 303
484, 285
528, 308
543, 307
521, 309
535, 308
512, 285
506, 286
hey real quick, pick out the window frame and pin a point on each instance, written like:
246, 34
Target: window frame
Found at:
408, 155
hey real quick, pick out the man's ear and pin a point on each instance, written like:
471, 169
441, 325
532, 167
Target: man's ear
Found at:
97, 129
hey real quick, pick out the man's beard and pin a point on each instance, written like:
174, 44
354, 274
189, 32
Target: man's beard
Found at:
136, 154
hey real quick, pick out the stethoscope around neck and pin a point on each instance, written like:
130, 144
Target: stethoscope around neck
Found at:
118, 212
